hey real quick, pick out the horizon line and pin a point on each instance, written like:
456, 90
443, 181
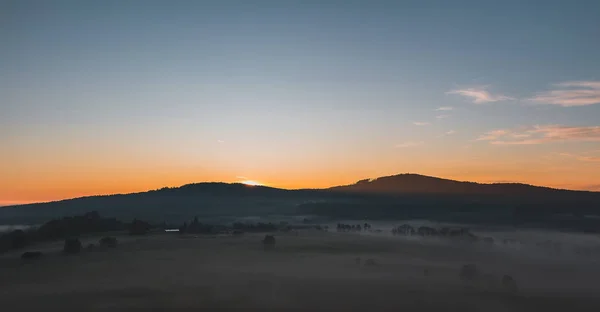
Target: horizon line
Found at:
288, 189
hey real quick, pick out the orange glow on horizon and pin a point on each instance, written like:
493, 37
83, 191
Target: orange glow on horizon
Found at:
27, 182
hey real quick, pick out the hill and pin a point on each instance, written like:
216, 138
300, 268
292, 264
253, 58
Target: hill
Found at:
404, 196
420, 184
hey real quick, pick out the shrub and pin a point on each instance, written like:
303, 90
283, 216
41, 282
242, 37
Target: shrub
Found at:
31, 255
72, 245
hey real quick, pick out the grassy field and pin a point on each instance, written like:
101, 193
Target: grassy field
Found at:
311, 270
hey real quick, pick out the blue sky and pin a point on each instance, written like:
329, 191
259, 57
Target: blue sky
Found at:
287, 83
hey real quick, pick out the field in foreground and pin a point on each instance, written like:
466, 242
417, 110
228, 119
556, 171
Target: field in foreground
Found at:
311, 271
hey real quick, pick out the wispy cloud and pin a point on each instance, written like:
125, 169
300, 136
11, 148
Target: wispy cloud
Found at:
542, 134
444, 108
571, 93
220, 141
421, 123
450, 132
593, 187
492, 135
442, 116
409, 144
480, 95
585, 158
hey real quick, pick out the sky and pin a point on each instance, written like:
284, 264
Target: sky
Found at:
102, 97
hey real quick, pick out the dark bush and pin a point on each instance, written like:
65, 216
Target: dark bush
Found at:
509, 284
269, 241
72, 245
31, 255
18, 239
139, 227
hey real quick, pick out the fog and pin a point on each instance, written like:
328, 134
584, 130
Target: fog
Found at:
309, 269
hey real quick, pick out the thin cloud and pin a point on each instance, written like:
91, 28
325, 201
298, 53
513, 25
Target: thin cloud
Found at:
409, 144
571, 93
542, 134
492, 135
593, 187
480, 95
444, 108
584, 158
589, 158
450, 132
421, 123
220, 141
442, 116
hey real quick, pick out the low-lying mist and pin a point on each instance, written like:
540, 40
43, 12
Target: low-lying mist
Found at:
515, 270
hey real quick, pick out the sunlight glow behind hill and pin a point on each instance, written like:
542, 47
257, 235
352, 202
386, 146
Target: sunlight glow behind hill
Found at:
251, 183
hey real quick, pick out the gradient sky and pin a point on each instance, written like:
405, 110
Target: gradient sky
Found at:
102, 97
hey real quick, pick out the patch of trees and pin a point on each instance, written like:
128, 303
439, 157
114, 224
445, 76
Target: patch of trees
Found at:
408, 230
67, 227
341, 227
90, 222
16, 239
196, 227
108, 241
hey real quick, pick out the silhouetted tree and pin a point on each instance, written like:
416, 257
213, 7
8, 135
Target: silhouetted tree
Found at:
509, 284
72, 245
427, 231
183, 228
404, 229
269, 241
18, 239
138, 227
